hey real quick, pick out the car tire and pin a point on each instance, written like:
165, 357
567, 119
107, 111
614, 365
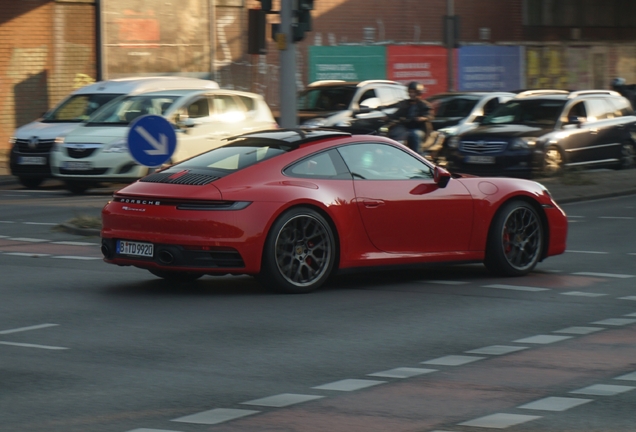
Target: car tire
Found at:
299, 253
176, 276
515, 240
553, 161
30, 182
627, 157
77, 187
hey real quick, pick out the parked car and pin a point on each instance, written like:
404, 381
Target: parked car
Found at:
458, 112
97, 150
347, 103
292, 207
544, 131
31, 144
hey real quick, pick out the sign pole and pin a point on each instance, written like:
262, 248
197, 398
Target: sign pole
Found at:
450, 40
287, 47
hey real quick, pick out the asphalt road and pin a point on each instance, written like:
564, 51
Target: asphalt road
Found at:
85, 346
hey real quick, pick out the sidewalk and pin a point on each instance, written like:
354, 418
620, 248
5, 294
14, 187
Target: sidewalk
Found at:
572, 187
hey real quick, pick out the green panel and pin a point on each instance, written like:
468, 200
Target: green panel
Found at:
349, 63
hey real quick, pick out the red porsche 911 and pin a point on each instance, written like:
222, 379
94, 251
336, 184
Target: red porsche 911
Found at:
293, 207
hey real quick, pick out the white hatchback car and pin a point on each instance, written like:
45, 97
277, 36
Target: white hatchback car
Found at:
97, 150
31, 143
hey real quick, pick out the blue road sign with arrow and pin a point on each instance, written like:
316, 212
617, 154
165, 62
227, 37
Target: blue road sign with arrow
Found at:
151, 140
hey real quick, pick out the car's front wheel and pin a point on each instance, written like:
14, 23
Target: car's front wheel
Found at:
299, 253
515, 240
627, 157
553, 161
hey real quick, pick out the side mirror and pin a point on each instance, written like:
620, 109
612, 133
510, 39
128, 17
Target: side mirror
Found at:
441, 176
479, 119
576, 120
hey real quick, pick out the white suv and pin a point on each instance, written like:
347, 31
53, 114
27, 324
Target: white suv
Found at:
31, 144
97, 150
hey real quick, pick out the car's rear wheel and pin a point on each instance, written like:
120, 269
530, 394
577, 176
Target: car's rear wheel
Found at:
176, 276
553, 161
299, 253
515, 240
627, 157
30, 182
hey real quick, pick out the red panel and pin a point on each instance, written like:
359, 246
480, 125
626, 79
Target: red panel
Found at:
425, 64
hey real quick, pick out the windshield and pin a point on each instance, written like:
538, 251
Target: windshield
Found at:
240, 154
453, 106
326, 98
77, 108
543, 112
125, 110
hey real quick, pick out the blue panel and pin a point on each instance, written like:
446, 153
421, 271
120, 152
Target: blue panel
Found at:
488, 68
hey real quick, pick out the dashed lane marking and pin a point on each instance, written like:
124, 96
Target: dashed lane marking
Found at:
496, 350
402, 372
627, 298
453, 360
607, 275
582, 294
40, 223
543, 339
615, 321
617, 217
29, 240
631, 314
500, 420
445, 282
515, 287
26, 345
627, 377
555, 403
71, 257
21, 329
215, 416
603, 390
282, 400
74, 243
579, 330
349, 385
26, 254
586, 252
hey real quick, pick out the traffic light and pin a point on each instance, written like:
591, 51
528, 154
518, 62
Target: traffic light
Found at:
256, 23
302, 14
266, 5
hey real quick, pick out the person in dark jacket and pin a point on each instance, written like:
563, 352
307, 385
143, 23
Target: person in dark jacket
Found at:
412, 118
619, 85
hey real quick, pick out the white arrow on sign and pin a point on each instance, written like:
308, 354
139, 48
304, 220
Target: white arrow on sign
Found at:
160, 148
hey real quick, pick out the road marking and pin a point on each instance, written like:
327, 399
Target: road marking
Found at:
627, 298
7, 222
607, 275
402, 372
445, 282
21, 329
75, 243
39, 223
215, 416
543, 339
579, 330
555, 404
586, 252
627, 377
76, 257
26, 254
615, 321
29, 240
453, 360
26, 345
582, 294
349, 385
515, 287
499, 420
282, 400
617, 217
631, 314
496, 350
603, 390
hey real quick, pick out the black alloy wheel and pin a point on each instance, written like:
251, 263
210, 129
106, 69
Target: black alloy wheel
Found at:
627, 157
553, 161
515, 240
299, 253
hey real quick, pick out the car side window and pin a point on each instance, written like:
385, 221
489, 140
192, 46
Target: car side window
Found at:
321, 165
367, 95
490, 106
198, 109
597, 109
227, 109
375, 161
622, 107
577, 110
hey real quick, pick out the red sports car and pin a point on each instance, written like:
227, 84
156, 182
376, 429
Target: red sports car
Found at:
292, 207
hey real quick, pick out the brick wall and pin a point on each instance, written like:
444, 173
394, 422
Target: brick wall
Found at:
47, 48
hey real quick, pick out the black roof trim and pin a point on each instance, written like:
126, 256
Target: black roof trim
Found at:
295, 136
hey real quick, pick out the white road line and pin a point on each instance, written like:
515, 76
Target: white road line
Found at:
577, 217
74, 243
7, 222
499, 420
603, 390
282, 400
496, 350
627, 377
34, 327
586, 252
402, 372
515, 287
555, 404
75, 257
453, 360
543, 339
579, 330
445, 282
349, 385
582, 294
30, 240
607, 275
39, 223
32, 345
627, 298
25, 254
215, 416
631, 314
615, 321
617, 217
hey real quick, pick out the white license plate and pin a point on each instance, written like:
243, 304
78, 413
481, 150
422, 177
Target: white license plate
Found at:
480, 159
77, 165
32, 160
135, 248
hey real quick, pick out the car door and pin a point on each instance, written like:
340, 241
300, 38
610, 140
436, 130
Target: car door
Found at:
576, 137
403, 210
603, 145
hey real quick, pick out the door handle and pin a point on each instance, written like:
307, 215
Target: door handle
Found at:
372, 203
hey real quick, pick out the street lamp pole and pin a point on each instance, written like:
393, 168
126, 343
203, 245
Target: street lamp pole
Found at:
450, 41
